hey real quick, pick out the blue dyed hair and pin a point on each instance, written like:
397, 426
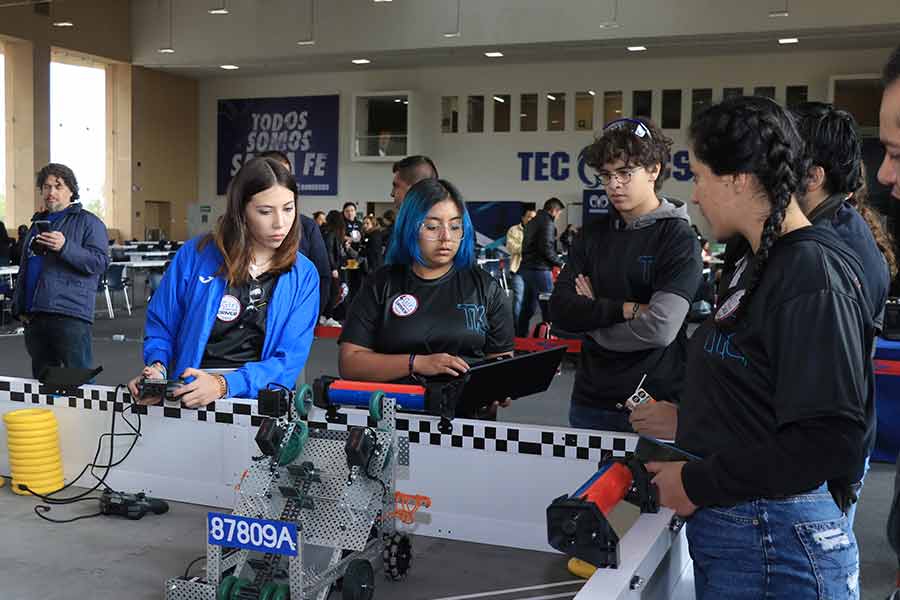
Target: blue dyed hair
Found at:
404, 248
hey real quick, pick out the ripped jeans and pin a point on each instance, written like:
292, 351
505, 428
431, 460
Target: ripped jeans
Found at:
799, 547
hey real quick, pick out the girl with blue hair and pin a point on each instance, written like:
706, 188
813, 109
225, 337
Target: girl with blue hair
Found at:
430, 310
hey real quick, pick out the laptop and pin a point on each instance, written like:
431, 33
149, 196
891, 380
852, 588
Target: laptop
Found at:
508, 377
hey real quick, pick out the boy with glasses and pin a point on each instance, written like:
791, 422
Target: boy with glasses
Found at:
628, 285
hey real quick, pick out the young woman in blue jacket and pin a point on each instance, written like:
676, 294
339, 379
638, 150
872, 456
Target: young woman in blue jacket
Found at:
236, 309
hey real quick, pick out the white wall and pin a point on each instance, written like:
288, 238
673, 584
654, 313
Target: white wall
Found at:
485, 165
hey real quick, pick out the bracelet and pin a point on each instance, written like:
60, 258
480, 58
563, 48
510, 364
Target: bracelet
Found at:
412, 360
635, 308
223, 386
159, 367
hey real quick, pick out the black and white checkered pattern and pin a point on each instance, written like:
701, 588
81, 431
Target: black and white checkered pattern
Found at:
486, 436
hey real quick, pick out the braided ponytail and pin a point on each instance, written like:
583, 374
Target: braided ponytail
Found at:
755, 136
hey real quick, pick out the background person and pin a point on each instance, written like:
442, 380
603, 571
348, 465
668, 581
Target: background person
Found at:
770, 425
241, 299
430, 310
514, 237
539, 256
59, 273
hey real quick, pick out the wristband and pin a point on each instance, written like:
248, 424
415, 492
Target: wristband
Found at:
223, 386
635, 308
412, 360
161, 368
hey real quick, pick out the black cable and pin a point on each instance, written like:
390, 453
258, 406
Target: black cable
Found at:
101, 481
384, 490
191, 564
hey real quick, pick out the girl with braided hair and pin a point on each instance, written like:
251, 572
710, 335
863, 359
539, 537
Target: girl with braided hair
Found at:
774, 405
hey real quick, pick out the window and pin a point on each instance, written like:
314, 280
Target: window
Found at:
671, 109
795, 96
642, 103
502, 112
612, 106
381, 125
78, 128
3, 140
766, 91
700, 99
528, 112
556, 111
450, 114
476, 114
731, 92
584, 111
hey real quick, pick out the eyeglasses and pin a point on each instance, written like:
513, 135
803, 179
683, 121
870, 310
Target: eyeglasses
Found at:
634, 126
623, 176
433, 232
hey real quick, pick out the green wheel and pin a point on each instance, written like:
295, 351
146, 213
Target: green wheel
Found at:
268, 591
303, 400
294, 446
224, 592
282, 593
237, 587
376, 405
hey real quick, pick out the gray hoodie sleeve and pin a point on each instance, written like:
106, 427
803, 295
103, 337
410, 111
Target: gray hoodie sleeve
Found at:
655, 327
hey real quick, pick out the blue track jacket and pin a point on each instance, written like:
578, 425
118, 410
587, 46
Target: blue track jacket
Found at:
183, 310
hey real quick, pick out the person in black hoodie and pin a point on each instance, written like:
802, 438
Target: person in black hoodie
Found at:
539, 256
628, 283
774, 407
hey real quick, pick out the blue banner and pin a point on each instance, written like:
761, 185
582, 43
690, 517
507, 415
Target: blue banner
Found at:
259, 535
304, 127
594, 203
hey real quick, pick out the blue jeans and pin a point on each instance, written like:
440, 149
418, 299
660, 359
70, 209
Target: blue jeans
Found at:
58, 341
536, 283
518, 289
800, 547
587, 417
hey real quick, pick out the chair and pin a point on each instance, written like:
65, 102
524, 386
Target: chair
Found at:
115, 280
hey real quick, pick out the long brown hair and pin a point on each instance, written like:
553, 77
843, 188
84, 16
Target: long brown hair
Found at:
232, 235
883, 239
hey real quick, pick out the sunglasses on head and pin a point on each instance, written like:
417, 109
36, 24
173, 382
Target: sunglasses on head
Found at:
633, 126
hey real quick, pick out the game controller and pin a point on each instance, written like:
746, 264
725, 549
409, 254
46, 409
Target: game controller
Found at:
640, 396
151, 387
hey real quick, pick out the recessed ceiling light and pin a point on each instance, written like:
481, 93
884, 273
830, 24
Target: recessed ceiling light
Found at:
778, 13
788, 40
609, 25
381, 0
218, 11
229, 67
592, 92
455, 34
360, 61
64, 24
306, 43
636, 48
166, 50
493, 54
406, 102
499, 99
551, 97
398, 99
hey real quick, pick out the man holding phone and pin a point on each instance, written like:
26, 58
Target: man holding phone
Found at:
63, 258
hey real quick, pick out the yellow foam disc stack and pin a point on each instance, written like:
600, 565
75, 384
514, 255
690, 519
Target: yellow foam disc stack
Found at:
34, 456
580, 568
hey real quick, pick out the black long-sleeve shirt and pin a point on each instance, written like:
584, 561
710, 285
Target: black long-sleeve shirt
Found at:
776, 402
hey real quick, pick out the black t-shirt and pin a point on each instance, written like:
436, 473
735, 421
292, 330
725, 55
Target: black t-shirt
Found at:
239, 331
463, 313
769, 398
626, 266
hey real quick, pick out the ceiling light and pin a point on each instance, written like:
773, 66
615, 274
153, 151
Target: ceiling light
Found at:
229, 67
360, 61
405, 101
788, 40
455, 34
592, 92
166, 50
493, 54
499, 99
306, 43
381, 0
608, 26
636, 48
551, 97
218, 11
398, 99
64, 24
778, 13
